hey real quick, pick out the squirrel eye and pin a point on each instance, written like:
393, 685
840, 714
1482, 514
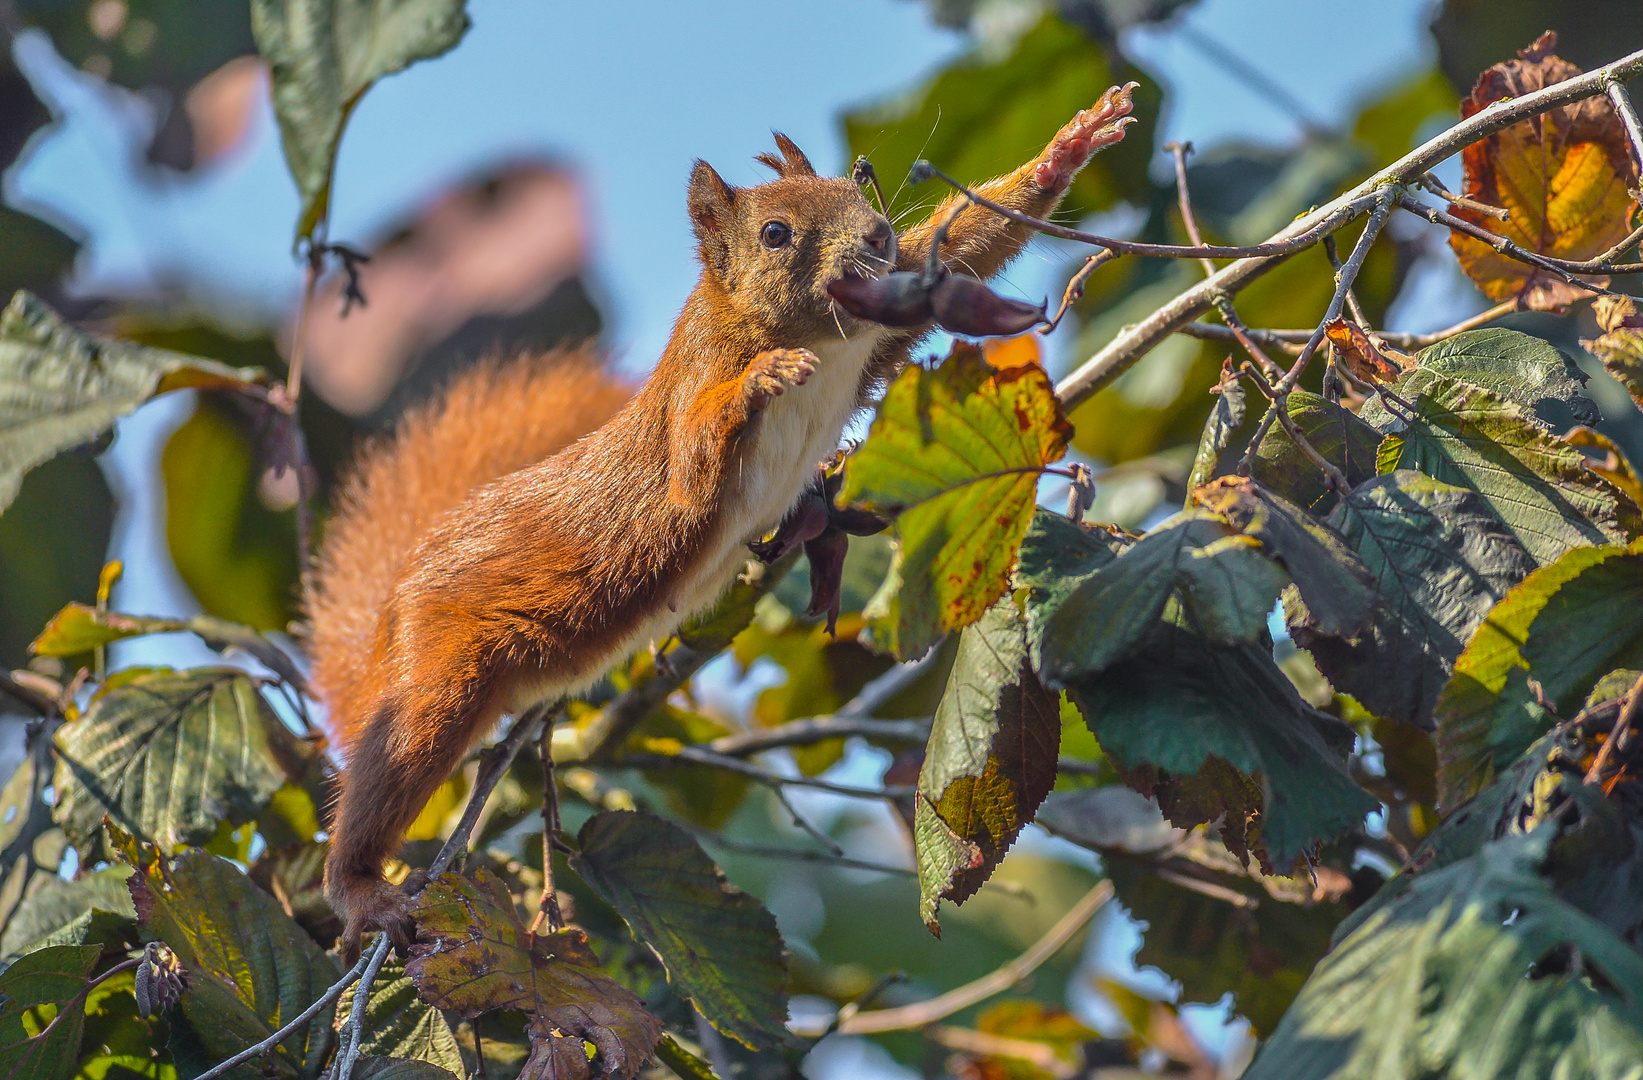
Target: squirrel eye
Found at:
775, 234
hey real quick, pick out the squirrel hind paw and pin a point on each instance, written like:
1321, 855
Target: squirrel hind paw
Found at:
367, 904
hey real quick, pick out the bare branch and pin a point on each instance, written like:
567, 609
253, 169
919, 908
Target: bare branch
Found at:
819, 729
1133, 342
1506, 247
1432, 184
1616, 91
695, 755
1075, 288
1292, 340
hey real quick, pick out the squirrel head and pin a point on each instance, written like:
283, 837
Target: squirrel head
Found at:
773, 248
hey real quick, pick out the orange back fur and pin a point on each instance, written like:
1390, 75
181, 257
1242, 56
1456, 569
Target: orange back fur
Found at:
496, 417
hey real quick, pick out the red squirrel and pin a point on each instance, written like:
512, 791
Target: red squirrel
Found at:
536, 525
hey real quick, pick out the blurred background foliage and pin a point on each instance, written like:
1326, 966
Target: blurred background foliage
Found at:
499, 261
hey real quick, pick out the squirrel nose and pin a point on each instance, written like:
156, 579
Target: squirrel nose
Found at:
879, 236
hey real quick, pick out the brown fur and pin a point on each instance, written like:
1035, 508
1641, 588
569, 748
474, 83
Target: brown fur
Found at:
521, 589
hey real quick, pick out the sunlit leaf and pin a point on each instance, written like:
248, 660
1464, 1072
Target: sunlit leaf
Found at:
60, 388
250, 967
1329, 575
1221, 577
1561, 175
1519, 367
323, 55
989, 762
1565, 625
1407, 993
473, 954
1440, 561
1620, 345
954, 456
685, 1065
1539, 487
169, 755
720, 945
33, 991
1177, 704
56, 905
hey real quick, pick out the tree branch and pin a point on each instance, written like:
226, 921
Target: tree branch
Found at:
1500, 243
695, 755
1130, 344
1292, 340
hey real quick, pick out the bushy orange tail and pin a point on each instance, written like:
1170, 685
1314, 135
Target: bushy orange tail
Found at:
495, 418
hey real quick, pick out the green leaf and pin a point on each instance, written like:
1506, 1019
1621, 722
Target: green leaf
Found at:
685, 1065
1232, 937
1437, 984
1475, 439
57, 905
1440, 560
323, 55
1340, 437
1225, 583
1486, 714
720, 946
1522, 369
169, 755
1178, 704
1336, 585
68, 500
382, 1068
33, 991
399, 1024
1225, 418
1058, 558
250, 966
473, 954
79, 628
954, 456
989, 762
60, 388
985, 112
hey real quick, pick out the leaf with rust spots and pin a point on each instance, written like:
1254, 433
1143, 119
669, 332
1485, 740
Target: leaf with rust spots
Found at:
990, 760
1562, 176
473, 954
954, 456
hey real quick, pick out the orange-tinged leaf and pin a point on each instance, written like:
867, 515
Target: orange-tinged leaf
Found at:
954, 457
1562, 176
1620, 346
473, 954
1365, 358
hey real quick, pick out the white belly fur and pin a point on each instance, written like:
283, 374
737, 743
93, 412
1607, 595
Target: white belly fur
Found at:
797, 431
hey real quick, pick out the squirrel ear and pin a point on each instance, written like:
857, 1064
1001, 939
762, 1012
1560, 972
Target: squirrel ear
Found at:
709, 201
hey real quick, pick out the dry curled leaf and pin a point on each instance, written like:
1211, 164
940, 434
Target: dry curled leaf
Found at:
473, 954
1368, 360
1620, 346
1563, 177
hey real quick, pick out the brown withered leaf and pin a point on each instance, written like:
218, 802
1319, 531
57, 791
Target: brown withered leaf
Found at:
1365, 358
473, 954
1562, 176
1620, 346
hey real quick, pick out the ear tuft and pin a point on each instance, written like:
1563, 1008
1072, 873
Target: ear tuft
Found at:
791, 163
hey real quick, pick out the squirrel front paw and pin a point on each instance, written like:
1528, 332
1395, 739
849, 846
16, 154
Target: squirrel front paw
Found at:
1100, 125
772, 372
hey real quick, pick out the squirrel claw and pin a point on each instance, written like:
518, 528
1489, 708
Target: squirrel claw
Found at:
1100, 125
774, 371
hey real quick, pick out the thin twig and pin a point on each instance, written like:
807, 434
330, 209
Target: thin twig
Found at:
1631, 238
1292, 340
1314, 232
1042, 1057
1179, 151
296, 1022
1628, 715
819, 729
1616, 91
917, 1015
1506, 247
315, 258
1343, 285
798, 854
1247, 462
1435, 186
1075, 288
1135, 341
1353, 308
362, 1001
804, 823
548, 908
695, 755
